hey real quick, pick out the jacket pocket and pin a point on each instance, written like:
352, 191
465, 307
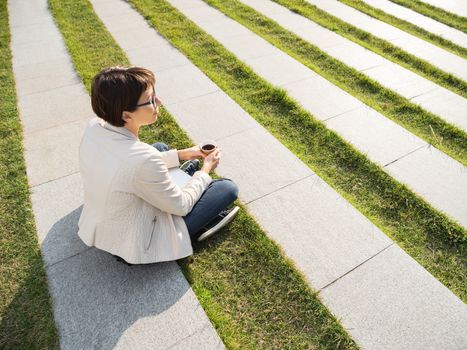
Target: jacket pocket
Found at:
154, 221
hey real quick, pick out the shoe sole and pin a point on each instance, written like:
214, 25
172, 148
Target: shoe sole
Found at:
219, 225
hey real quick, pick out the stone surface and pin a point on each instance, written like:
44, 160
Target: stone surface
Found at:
182, 83
101, 303
262, 166
46, 109
355, 56
37, 53
131, 38
452, 107
454, 6
158, 58
279, 69
400, 80
319, 230
246, 46
412, 310
213, 116
53, 153
387, 140
40, 77
321, 98
57, 206
449, 105
437, 178
419, 20
445, 60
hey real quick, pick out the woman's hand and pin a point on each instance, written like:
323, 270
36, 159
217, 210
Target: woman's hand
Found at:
212, 160
190, 153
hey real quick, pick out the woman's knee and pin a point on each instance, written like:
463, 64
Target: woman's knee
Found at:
229, 188
161, 147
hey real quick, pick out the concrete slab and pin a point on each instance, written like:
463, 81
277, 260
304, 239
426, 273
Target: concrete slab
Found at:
388, 74
246, 46
454, 6
452, 107
355, 57
131, 38
117, 306
54, 107
392, 303
57, 206
37, 53
264, 174
157, 58
279, 68
386, 141
213, 116
456, 37
40, 77
399, 80
25, 13
445, 60
182, 83
32, 34
437, 178
321, 97
224, 29
410, 16
125, 21
319, 230
53, 153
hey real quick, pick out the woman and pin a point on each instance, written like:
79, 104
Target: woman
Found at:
132, 207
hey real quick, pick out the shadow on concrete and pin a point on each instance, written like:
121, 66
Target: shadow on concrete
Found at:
96, 300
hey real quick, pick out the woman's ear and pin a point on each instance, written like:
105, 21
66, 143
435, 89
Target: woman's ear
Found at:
126, 116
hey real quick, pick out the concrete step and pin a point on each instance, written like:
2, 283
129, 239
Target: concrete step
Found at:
433, 54
383, 141
427, 23
455, 6
430, 96
327, 238
97, 301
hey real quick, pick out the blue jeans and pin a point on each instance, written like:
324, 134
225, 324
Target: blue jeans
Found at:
216, 198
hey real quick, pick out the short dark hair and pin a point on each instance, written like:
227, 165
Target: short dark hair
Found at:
118, 89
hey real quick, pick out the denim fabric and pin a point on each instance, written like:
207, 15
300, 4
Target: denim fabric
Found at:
216, 198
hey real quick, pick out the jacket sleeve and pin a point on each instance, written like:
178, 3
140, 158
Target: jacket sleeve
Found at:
153, 183
170, 158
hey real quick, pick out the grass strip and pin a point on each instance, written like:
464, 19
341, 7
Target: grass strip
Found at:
438, 14
252, 294
407, 26
433, 240
426, 125
26, 317
381, 47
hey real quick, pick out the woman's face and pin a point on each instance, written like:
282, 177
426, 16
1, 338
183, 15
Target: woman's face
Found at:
148, 107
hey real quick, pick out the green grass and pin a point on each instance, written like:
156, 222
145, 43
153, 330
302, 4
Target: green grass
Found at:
433, 240
407, 26
252, 294
26, 318
377, 45
425, 125
438, 14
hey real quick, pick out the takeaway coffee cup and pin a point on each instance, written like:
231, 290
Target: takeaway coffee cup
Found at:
208, 146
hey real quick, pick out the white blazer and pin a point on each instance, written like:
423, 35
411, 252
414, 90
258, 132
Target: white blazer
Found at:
132, 208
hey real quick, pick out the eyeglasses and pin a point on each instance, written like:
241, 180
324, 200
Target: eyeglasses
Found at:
152, 101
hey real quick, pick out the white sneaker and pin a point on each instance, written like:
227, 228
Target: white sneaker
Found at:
224, 218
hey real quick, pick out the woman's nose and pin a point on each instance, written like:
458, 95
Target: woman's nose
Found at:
158, 101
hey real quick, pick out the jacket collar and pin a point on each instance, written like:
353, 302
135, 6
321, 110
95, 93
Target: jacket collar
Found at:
121, 130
